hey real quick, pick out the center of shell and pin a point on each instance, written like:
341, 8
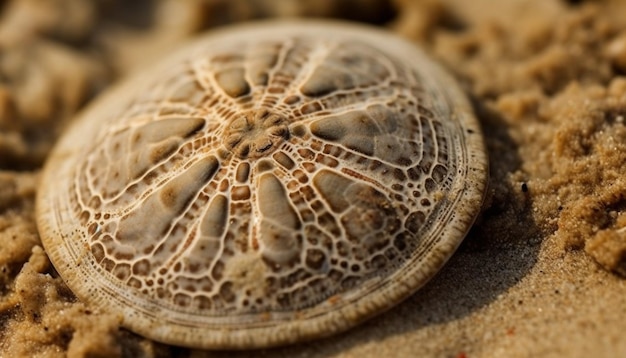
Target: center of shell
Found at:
255, 133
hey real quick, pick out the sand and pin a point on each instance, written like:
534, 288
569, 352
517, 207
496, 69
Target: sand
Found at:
540, 274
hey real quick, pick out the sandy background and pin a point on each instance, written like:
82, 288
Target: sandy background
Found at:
541, 273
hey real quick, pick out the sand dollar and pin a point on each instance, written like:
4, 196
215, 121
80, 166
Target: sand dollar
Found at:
266, 184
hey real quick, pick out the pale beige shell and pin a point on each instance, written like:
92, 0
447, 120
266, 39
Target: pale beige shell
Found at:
266, 184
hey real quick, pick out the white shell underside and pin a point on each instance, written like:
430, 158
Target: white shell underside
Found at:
266, 184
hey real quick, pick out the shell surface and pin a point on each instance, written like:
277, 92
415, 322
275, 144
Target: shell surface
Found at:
267, 184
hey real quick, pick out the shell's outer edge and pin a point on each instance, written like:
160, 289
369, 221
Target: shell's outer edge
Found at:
149, 322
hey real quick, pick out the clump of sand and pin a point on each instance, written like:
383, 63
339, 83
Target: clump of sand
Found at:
558, 88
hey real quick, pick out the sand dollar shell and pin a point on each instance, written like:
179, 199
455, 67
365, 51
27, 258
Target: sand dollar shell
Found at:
266, 184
